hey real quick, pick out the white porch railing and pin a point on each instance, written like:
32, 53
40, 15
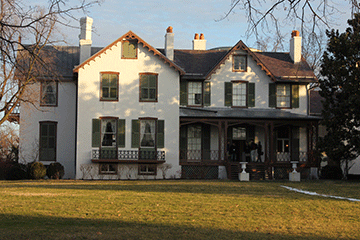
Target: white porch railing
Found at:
96, 154
286, 157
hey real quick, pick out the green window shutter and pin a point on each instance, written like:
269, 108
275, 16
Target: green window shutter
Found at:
135, 133
272, 95
96, 133
160, 133
228, 94
207, 93
295, 96
183, 142
183, 93
121, 133
251, 95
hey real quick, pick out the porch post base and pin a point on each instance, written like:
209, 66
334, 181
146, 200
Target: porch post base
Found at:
244, 176
294, 177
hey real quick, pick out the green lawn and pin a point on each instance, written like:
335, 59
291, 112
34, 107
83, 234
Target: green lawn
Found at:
177, 209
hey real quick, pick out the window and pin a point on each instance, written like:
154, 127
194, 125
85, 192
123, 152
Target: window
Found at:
239, 133
109, 87
195, 93
147, 133
129, 49
283, 95
48, 132
147, 169
239, 94
194, 142
49, 94
283, 140
106, 168
108, 134
239, 63
148, 87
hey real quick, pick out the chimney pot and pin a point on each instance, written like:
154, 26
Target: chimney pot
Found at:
169, 29
196, 36
295, 33
202, 36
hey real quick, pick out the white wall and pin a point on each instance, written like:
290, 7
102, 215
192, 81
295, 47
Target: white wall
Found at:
128, 107
254, 74
63, 114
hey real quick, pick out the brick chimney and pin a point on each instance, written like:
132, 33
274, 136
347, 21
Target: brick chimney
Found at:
85, 38
295, 46
169, 43
199, 43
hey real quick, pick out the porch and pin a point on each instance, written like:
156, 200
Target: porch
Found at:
207, 136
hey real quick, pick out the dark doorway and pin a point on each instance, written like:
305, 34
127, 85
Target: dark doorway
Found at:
240, 150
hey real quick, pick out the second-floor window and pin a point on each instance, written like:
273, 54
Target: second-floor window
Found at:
49, 94
109, 87
148, 87
239, 94
284, 95
195, 93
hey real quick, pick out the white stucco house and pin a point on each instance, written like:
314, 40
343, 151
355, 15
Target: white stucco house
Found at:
131, 111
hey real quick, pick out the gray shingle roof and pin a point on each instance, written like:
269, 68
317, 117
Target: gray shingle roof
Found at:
243, 113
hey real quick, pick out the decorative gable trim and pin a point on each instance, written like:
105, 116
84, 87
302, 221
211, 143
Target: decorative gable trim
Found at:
132, 36
241, 46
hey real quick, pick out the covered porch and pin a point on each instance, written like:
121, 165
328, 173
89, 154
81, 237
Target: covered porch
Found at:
268, 139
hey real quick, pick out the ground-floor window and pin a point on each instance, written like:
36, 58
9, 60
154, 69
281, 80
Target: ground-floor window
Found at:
108, 168
47, 149
194, 142
147, 169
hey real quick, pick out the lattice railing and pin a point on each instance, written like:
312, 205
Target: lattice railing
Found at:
287, 157
199, 155
127, 154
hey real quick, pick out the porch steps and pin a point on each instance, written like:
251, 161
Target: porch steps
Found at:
256, 170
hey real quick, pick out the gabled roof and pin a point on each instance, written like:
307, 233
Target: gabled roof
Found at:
283, 68
132, 36
278, 66
57, 62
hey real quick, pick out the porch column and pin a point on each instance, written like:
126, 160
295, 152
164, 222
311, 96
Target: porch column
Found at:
271, 152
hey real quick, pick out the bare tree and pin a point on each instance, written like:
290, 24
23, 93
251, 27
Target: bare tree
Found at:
9, 143
271, 18
20, 63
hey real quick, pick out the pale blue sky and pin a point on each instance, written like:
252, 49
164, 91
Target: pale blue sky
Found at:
149, 20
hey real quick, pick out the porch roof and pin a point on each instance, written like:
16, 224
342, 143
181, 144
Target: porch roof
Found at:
245, 113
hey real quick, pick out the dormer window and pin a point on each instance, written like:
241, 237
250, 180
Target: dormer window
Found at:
129, 49
239, 63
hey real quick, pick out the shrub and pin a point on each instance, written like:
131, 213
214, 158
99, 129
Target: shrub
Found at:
18, 171
55, 171
37, 170
331, 172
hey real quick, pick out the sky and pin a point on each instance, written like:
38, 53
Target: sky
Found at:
149, 20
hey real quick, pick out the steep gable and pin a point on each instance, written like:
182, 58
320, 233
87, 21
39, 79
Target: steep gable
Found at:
132, 36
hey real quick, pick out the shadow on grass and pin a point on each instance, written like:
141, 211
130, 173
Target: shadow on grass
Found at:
175, 186
48, 227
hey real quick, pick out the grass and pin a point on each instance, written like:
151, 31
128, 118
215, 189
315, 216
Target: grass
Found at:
177, 210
